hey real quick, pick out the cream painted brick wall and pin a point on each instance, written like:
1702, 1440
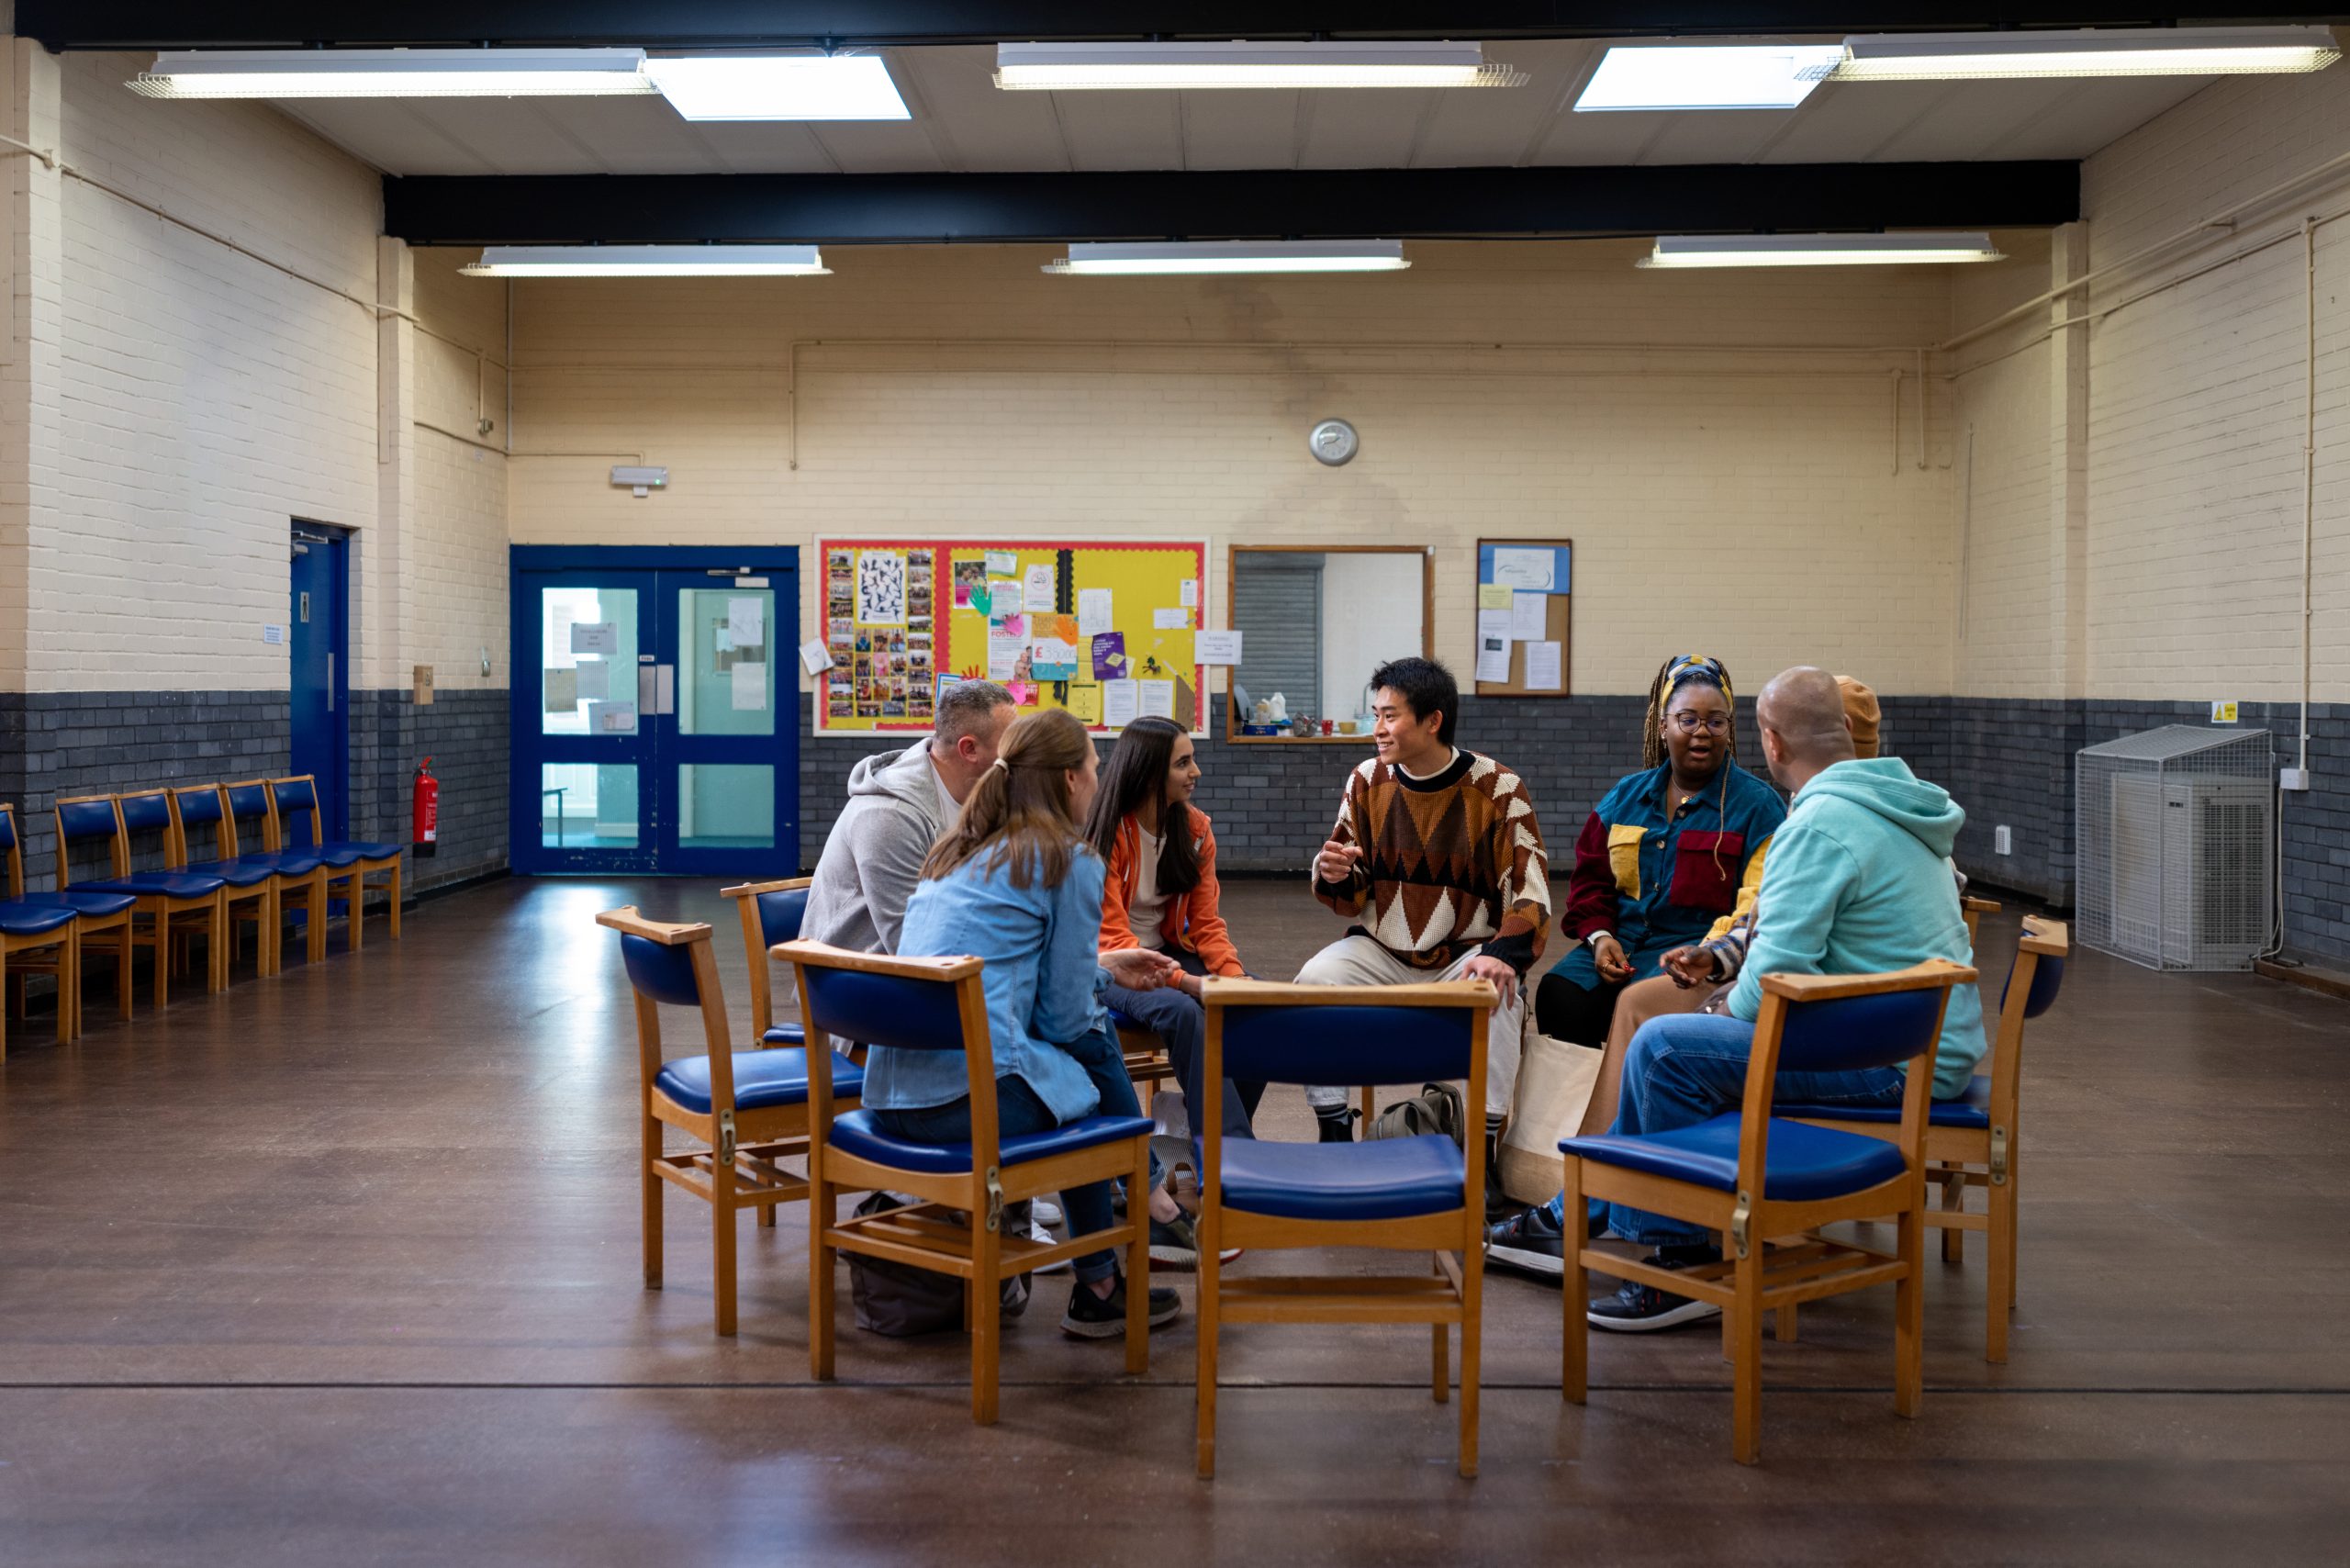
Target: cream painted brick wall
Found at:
458, 562
1752, 504
2004, 645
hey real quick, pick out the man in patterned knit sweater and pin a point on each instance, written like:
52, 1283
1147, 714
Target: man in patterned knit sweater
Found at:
1437, 851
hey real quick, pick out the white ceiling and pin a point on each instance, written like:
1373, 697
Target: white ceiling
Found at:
963, 123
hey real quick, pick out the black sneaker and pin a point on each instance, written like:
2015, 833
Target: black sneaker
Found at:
1530, 1244
1643, 1309
1339, 1129
1091, 1316
1174, 1243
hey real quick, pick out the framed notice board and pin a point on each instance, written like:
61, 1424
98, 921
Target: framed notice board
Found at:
1524, 613
1103, 630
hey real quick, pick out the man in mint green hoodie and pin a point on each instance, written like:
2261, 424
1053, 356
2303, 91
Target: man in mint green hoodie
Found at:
1858, 880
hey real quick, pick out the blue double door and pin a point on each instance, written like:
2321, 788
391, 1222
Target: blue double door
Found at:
654, 710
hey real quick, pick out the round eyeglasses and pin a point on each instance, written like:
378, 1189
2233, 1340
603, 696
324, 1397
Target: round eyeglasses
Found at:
1690, 723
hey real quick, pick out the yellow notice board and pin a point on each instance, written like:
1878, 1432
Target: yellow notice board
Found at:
1105, 631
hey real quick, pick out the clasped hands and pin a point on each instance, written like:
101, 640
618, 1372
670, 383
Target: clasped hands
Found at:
1139, 969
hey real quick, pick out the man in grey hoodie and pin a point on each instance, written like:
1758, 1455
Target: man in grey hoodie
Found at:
898, 802
1858, 881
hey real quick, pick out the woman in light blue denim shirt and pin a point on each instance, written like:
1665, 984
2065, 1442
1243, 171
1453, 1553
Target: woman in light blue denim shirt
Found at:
1012, 884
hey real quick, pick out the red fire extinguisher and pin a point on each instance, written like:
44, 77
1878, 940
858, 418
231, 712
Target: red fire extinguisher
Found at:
425, 811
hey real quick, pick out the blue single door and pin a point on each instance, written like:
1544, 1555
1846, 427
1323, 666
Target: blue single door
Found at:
649, 731
318, 634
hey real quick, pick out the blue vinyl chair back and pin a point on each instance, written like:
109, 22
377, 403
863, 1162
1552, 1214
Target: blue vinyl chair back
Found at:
883, 1010
1341, 1044
81, 821
7, 829
1856, 1032
148, 813
2047, 979
199, 808
297, 798
781, 914
250, 804
665, 973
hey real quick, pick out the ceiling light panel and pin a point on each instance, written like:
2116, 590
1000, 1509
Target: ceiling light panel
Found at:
395, 74
1707, 76
1162, 257
1101, 67
2096, 51
1820, 250
778, 87
649, 260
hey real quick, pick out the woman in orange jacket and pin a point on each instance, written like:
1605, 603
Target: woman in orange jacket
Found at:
1161, 893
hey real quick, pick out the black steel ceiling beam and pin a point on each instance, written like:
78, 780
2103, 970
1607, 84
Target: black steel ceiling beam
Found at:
685, 24
1238, 204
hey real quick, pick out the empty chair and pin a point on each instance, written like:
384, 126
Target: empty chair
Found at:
956, 1226
1973, 1139
165, 898
44, 928
1419, 1194
297, 825
99, 914
771, 912
298, 880
745, 1110
251, 886
1761, 1180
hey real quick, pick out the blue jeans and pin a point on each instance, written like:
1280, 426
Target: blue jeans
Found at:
1181, 1025
1683, 1070
1019, 1112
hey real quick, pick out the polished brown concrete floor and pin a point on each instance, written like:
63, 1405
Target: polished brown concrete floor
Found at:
343, 1267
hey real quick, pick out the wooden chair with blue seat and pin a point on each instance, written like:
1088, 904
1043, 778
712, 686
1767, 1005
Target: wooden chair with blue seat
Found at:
299, 881
1972, 1139
771, 912
166, 899
1759, 1179
1407, 1194
250, 890
745, 1110
297, 825
956, 1226
29, 926
94, 914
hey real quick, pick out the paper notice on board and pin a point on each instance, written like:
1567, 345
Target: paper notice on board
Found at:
595, 637
1093, 611
1154, 699
751, 688
595, 681
1037, 586
1085, 704
814, 656
1519, 567
611, 718
563, 690
1543, 666
724, 640
1119, 701
1492, 657
1492, 623
1004, 656
747, 621
1529, 615
1171, 619
1003, 562
1005, 599
1493, 596
1216, 647
1191, 592
880, 591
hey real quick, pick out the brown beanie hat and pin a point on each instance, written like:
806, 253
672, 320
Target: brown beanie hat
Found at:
1860, 707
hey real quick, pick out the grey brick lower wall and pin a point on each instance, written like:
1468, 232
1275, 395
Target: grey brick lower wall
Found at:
468, 735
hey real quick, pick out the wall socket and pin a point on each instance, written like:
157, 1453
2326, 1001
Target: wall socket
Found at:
2003, 840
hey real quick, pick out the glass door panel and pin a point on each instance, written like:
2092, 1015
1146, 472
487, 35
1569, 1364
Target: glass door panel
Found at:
729, 740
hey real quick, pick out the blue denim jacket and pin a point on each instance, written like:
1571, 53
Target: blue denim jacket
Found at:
1042, 984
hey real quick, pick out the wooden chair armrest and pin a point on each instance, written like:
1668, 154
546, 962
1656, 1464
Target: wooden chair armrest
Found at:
1218, 991
1829, 988
753, 890
627, 919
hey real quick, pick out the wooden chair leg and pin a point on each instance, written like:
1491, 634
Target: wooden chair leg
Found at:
820, 1276
1574, 1291
987, 1317
1211, 1277
1473, 1339
1440, 1380
1138, 1262
4, 1010
352, 933
1998, 1294
1909, 1317
766, 1215
651, 1202
721, 1219
69, 981
1783, 1329
396, 936
1746, 1325
1954, 1201
317, 917
216, 944
122, 986
161, 933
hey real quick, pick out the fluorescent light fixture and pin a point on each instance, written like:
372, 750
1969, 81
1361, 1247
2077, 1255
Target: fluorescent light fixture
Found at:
1084, 67
778, 87
1819, 250
394, 74
1708, 76
2094, 51
649, 260
1159, 258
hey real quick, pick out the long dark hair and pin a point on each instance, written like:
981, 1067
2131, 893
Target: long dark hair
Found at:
1135, 773
1018, 813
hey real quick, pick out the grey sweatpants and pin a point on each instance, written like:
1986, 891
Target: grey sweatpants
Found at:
1358, 960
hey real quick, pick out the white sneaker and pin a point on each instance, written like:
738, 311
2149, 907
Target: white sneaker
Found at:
1045, 1211
1037, 1232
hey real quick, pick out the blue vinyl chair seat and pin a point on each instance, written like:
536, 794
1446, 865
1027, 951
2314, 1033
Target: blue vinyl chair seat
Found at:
1380, 1178
82, 901
163, 884
762, 1079
351, 854
785, 1034
238, 873
855, 1133
1972, 1108
1805, 1163
19, 918
286, 862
